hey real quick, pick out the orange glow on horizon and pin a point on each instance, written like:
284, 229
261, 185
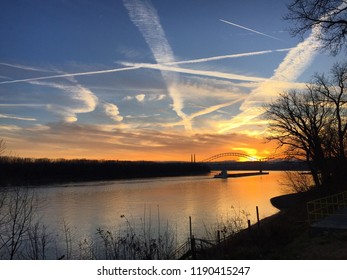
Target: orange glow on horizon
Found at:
72, 141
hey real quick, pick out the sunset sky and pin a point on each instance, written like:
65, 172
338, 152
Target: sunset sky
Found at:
145, 80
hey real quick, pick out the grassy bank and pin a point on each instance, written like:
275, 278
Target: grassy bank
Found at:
285, 235
26, 171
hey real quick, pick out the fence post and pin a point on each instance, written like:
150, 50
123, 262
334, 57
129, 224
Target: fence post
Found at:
192, 247
257, 209
190, 226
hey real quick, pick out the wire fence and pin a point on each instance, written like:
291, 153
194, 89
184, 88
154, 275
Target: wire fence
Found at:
320, 208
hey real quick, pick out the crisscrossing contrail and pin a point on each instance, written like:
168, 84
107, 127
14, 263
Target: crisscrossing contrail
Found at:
249, 29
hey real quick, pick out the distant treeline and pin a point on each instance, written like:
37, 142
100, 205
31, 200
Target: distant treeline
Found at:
27, 171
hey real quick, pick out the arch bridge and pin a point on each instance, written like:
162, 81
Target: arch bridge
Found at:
231, 154
242, 155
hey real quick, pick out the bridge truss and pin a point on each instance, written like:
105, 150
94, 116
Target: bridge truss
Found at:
241, 155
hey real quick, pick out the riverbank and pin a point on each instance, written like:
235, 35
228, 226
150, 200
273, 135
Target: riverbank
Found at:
26, 171
285, 235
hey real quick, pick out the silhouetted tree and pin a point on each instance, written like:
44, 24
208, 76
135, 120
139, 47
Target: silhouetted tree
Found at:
2, 147
296, 123
329, 15
335, 92
17, 215
313, 124
38, 239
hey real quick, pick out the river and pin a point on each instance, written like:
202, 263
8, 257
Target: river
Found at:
158, 204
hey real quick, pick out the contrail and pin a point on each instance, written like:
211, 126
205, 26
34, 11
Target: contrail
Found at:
5, 116
163, 67
293, 65
146, 19
226, 56
23, 105
191, 61
205, 111
252, 30
214, 74
213, 108
70, 75
24, 67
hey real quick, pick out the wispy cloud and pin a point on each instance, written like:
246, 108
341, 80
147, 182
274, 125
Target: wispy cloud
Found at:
146, 19
145, 97
140, 97
114, 142
9, 128
249, 29
7, 116
85, 100
112, 111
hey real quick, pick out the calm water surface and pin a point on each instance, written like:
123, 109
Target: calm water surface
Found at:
167, 202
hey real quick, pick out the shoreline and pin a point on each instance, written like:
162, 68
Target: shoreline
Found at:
22, 172
285, 235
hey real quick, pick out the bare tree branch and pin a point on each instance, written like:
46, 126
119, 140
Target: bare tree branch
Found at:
329, 15
313, 122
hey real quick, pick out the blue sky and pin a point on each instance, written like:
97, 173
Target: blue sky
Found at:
146, 80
